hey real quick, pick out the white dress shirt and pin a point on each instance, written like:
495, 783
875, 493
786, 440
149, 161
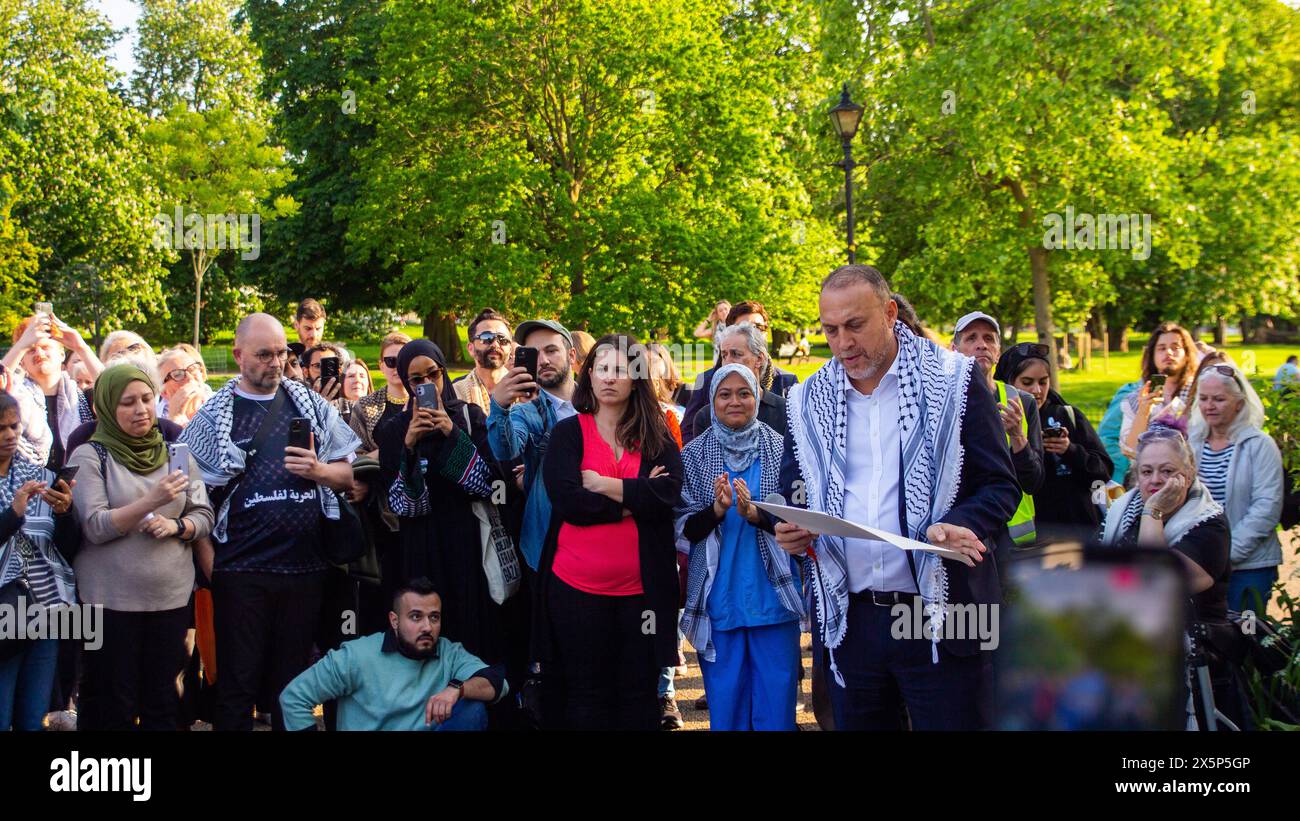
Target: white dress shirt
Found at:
871, 493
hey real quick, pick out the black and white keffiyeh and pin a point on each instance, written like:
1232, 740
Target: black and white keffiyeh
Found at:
932, 385
220, 460
36, 534
703, 459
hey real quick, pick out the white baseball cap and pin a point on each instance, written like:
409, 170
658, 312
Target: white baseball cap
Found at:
975, 316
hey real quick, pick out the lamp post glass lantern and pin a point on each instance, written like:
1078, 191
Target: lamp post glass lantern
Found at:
846, 116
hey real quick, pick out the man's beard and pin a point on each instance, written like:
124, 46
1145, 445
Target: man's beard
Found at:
412, 651
483, 358
556, 380
875, 363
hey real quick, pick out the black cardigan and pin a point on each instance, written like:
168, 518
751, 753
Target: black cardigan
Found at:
651, 502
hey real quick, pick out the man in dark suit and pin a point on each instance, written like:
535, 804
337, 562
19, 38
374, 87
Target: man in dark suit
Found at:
870, 451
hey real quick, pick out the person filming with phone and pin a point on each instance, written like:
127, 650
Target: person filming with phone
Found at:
141, 504
1074, 458
439, 475
275, 456
1169, 363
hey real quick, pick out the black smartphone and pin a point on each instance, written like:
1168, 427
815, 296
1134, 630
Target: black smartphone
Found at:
67, 474
526, 357
1157, 382
300, 433
329, 369
426, 396
1053, 433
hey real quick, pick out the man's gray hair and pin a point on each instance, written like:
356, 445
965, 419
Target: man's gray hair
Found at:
847, 275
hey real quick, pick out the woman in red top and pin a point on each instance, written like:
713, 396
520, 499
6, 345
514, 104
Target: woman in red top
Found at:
607, 600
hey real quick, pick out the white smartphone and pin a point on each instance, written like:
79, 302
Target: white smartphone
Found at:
178, 458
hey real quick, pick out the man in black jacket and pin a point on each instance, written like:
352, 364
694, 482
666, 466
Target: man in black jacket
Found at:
898, 435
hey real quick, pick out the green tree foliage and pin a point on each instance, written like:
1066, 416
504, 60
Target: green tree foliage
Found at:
198, 76
312, 51
78, 191
214, 165
620, 164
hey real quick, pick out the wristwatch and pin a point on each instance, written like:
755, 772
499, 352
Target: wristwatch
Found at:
1158, 515
457, 683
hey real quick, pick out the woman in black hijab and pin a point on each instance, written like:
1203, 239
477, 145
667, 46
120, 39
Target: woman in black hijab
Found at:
435, 464
1075, 462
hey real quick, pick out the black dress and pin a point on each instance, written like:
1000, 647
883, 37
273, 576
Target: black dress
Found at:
443, 543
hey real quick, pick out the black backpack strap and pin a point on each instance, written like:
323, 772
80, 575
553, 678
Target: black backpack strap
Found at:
264, 429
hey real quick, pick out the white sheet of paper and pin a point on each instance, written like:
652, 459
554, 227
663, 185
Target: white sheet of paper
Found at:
824, 523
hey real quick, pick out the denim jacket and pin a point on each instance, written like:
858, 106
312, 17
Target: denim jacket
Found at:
525, 428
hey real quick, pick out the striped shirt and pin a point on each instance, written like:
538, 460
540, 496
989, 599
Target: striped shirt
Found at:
1213, 471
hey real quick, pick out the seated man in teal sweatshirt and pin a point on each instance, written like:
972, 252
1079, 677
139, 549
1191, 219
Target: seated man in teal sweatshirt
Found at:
405, 678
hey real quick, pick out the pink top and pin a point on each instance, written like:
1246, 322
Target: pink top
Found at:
601, 559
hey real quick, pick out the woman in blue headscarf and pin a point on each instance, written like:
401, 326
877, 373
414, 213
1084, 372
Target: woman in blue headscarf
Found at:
743, 607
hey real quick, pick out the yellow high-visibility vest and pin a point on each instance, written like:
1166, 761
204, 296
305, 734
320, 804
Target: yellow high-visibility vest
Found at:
1023, 531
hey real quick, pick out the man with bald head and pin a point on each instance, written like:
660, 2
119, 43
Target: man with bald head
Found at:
267, 573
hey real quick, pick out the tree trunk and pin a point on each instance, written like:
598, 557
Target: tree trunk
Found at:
440, 329
1221, 332
1117, 338
198, 301
1043, 306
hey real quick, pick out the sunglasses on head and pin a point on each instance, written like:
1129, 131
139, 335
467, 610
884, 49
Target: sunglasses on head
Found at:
1035, 349
1227, 370
1160, 432
487, 338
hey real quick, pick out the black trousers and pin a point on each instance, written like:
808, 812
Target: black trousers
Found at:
338, 610
136, 673
603, 674
883, 674
265, 623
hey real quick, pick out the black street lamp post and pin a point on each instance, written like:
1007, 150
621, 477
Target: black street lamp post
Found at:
846, 116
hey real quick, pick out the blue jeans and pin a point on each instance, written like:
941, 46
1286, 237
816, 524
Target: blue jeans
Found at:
25, 684
466, 717
1243, 584
668, 675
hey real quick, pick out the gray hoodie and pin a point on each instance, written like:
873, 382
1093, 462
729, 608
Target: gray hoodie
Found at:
1254, 501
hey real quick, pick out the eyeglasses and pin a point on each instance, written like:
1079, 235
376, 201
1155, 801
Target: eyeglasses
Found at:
134, 347
422, 378
487, 338
179, 373
267, 357
390, 362
1035, 349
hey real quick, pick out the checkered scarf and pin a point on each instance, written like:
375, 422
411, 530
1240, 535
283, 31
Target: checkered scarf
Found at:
931, 403
37, 530
220, 460
703, 461
1198, 507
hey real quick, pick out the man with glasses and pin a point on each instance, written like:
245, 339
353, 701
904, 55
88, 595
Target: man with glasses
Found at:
491, 348
267, 572
979, 337
780, 382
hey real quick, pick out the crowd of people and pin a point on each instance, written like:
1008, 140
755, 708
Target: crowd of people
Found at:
535, 540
